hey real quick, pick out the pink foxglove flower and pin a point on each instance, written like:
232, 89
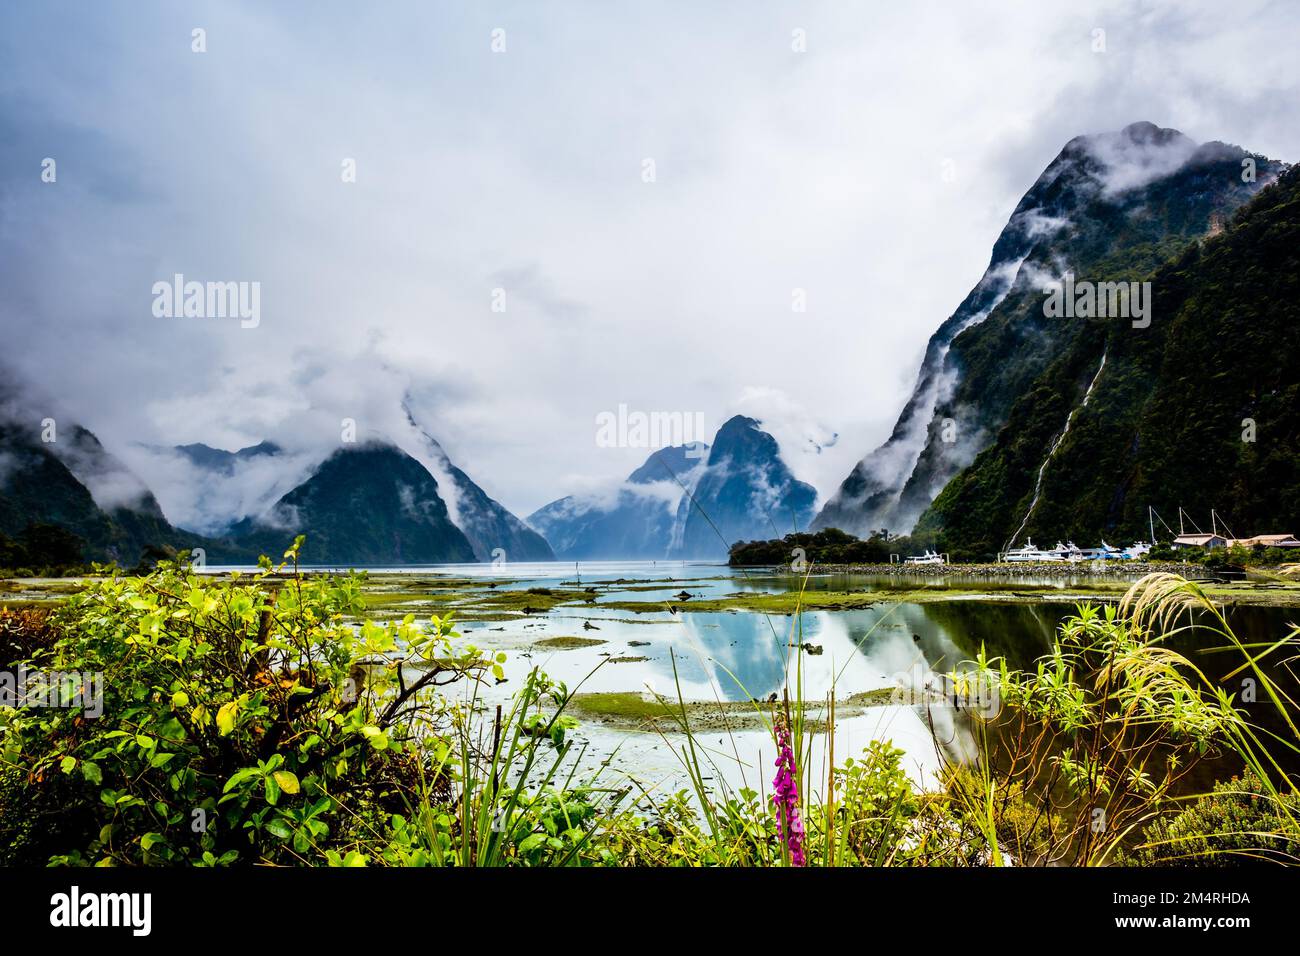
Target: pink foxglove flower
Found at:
786, 796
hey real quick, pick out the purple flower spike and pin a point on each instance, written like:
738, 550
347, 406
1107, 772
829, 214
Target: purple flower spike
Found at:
786, 796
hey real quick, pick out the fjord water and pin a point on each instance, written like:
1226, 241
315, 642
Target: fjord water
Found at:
738, 655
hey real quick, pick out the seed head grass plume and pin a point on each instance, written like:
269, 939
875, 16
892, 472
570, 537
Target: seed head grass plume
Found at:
785, 795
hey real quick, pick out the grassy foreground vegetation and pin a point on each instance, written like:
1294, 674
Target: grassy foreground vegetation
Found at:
267, 719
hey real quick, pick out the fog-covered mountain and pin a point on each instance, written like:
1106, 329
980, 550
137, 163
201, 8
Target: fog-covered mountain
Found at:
683, 504
1109, 207
633, 521
366, 504
744, 491
224, 462
371, 503
492, 531
1197, 411
72, 483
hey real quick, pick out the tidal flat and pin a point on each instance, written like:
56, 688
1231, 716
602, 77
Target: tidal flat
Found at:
394, 595
642, 650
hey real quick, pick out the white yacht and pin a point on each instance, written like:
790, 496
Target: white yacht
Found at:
1137, 551
1069, 551
1074, 554
929, 557
1104, 553
1031, 553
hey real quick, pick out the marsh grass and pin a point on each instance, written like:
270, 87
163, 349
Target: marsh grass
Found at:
1090, 760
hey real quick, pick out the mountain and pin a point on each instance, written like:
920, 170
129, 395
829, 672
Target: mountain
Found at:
634, 522
74, 484
1109, 207
493, 531
489, 527
1199, 410
681, 504
368, 504
224, 462
744, 491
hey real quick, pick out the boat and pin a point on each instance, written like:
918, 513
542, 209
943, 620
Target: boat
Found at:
1134, 552
1072, 553
930, 557
1031, 553
1137, 551
1104, 553
1069, 551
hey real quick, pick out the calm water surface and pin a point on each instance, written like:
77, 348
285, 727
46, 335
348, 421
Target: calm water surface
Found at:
738, 656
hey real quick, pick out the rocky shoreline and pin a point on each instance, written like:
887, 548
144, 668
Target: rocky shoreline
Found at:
1046, 569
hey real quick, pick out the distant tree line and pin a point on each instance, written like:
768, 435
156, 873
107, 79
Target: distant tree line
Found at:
51, 551
833, 546
42, 550
828, 546
1226, 559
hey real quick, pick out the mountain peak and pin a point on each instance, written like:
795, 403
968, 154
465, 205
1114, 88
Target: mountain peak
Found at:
739, 435
367, 503
1146, 132
746, 491
669, 463
1110, 205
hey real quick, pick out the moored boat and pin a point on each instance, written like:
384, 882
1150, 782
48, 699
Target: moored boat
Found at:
1031, 553
930, 557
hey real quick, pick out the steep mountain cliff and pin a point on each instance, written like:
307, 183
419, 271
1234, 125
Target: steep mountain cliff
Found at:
744, 491
493, 531
1110, 207
631, 522
74, 484
1198, 410
368, 504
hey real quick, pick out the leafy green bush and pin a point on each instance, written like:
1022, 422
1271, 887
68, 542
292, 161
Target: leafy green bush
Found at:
241, 722
263, 719
1238, 822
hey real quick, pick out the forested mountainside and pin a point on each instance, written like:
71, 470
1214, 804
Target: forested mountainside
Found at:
368, 504
1199, 410
1110, 207
47, 484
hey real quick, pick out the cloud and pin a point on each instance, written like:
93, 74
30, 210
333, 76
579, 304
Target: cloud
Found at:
805, 440
1132, 158
209, 502
776, 171
37, 418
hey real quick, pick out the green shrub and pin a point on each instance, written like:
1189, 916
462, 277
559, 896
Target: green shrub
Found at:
1238, 822
243, 721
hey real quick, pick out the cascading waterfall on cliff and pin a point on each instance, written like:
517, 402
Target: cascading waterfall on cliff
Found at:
1042, 469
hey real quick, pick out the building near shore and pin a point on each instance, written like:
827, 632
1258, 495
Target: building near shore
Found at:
1219, 541
1266, 541
1200, 541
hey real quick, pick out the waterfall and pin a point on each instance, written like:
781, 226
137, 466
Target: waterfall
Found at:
1042, 469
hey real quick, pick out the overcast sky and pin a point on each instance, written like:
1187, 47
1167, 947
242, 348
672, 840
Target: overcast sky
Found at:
524, 170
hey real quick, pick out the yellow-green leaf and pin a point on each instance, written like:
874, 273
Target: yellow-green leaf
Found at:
226, 717
287, 781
